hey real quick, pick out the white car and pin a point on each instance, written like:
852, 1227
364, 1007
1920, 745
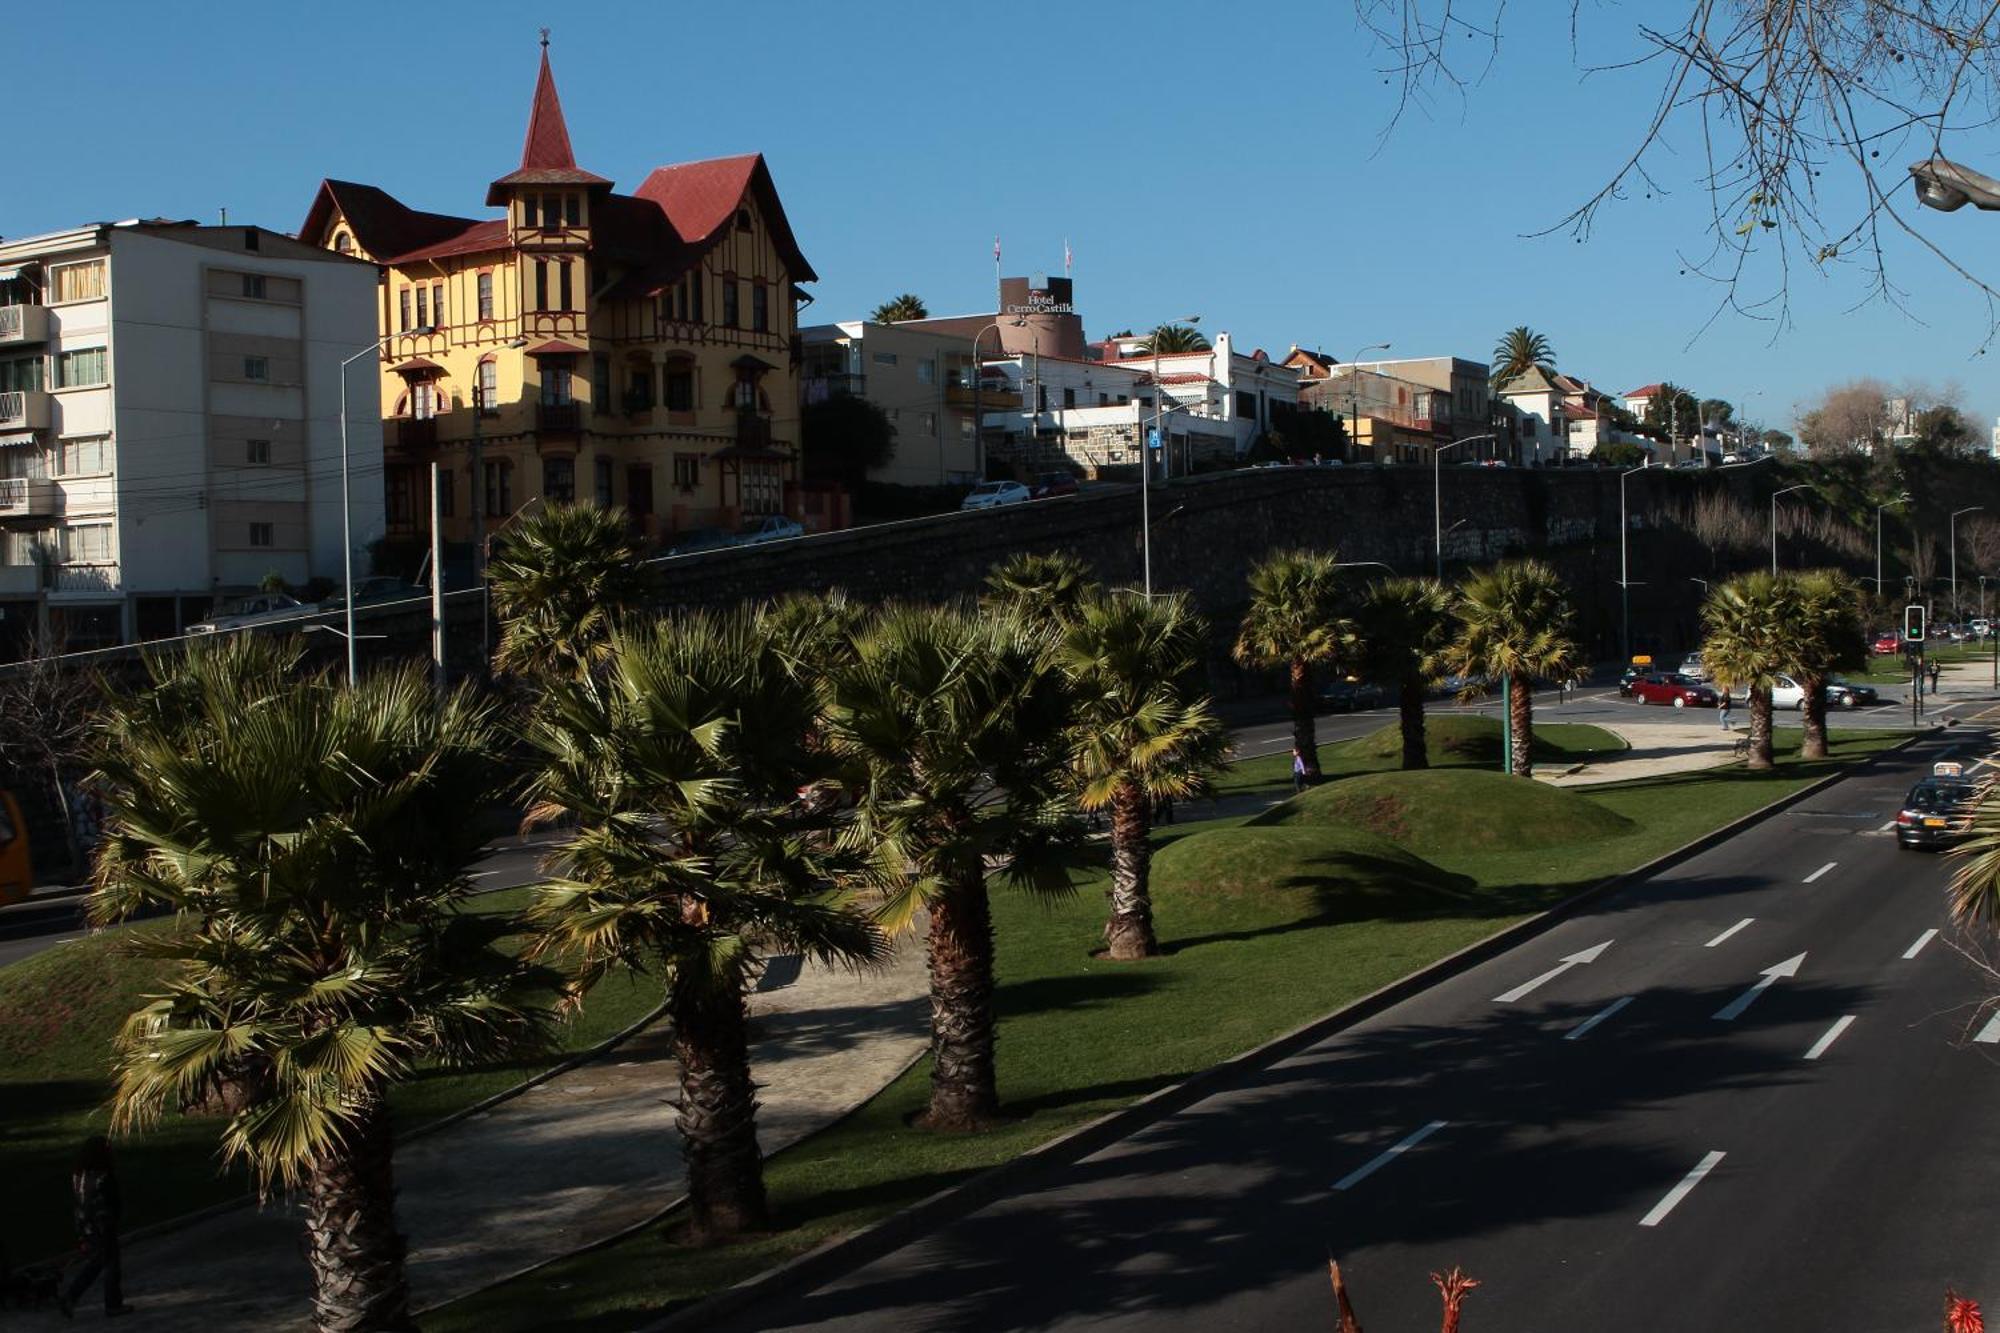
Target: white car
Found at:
769, 528
262, 609
1788, 693
1692, 668
990, 494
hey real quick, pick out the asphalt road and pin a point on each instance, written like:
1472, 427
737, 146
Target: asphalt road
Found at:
1748, 1093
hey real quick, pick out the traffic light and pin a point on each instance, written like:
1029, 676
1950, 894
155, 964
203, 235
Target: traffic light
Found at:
1913, 623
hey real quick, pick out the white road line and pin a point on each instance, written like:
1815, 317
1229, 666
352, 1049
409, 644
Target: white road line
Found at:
482, 874
1727, 933
1830, 1036
1596, 1018
1922, 940
1388, 1155
1734, 1009
1582, 956
1680, 1191
1886, 827
1821, 871
1991, 1032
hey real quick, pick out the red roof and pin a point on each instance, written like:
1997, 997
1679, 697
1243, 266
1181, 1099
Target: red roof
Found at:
699, 198
1644, 391
557, 347
479, 236
1187, 377
546, 158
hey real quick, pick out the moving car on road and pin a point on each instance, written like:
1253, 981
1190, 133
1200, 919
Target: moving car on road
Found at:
1937, 812
1051, 484
1692, 668
263, 609
1886, 644
1852, 695
769, 528
991, 494
1351, 696
1674, 688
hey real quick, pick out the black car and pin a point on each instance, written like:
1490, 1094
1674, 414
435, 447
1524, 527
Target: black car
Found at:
1852, 694
1938, 810
1626, 678
1351, 696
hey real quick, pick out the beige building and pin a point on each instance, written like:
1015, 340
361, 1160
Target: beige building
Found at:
923, 382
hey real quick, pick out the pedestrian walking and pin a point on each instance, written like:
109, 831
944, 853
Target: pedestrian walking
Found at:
1298, 771
94, 1192
1936, 670
1723, 703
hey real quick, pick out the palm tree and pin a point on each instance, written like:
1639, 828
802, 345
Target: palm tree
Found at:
313, 842
958, 725
1519, 351
907, 306
1828, 639
1293, 622
1746, 640
565, 578
1144, 732
1402, 629
1515, 624
1053, 583
693, 858
1170, 338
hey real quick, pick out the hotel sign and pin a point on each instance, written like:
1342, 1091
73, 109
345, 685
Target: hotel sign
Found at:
1041, 303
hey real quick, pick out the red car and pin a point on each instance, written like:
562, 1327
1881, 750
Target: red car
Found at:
1886, 644
1055, 483
1673, 688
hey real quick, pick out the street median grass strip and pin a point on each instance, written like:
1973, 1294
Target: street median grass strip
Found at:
59, 1011
1266, 926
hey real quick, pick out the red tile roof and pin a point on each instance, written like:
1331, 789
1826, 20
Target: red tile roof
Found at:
476, 237
546, 158
700, 198
1644, 391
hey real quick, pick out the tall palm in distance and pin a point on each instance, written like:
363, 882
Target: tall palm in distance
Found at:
899, 308
566, 577
1402, 627
1519, 351
1055, 584
1168, 339
314, 843
1828, 640
1747, 639
1293, 624
1515, 624
1144, 732
679, 764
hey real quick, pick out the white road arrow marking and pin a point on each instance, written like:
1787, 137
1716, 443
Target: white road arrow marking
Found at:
1991, 1032
1589, 955
1388, 1155
1735, 1008
1681, 1191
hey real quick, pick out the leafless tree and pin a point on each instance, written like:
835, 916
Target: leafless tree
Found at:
1851, 418
1981, 536
48, 708
1923, 557
1802, 117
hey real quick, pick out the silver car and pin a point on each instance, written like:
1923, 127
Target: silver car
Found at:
1692, 668
263, 609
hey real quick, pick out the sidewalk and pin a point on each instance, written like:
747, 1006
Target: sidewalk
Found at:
1656, 749
576, 1159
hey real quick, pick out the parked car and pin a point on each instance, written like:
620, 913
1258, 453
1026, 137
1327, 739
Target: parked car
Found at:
263, 609
1051, 484
1626, 678
1937, 812
699, 539
374, 590
1788, 693
992, 494
1886, 644
1982, 628
769, 528
1673, 688
1692, 668
1352, 696
1853, 695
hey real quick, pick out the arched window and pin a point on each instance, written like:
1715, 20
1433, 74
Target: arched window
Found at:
743, 219
343, 243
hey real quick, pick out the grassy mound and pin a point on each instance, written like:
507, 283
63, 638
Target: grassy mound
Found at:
1460, 739
1341, 864
1452, 811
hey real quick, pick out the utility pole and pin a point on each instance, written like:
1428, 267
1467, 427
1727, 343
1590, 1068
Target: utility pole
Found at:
437, 581
478, 507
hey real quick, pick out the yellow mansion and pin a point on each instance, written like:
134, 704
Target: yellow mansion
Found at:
634, 350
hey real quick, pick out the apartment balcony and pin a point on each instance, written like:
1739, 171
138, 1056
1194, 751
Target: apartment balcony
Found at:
559, 418
24, 409
417, 433
27, 497
21, 324
994, 396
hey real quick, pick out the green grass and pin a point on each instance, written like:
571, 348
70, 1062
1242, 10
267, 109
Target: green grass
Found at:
58, 1013
1443, 810
1266, 925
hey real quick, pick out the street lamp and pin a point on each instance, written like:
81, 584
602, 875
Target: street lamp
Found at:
1146, 453
1624, 580
1363, 564
1774, 520
346, 496
1952, 526
1437, 494
1354, 395
1902, 499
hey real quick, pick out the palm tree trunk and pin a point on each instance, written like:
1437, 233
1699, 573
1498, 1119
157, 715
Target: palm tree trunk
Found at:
1760, 729
964, 1094
359, 1284
1129, 932
1521, 720
1814, 744
718, 1115
1304, 739
1416, 754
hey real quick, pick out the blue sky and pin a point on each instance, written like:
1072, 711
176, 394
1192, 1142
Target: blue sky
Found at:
1198, 157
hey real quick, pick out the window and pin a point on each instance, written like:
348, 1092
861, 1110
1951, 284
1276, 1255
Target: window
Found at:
1122, 400
253, 286
21, 372
927, 372
528, 210
930, 423
437, 302
729, 297
23, 548
24, 461
638, 388
403, 302
79, 369
87, 544
680, 386
562, 274
1069, 397
499, 487
76, 282
486, 296
602, 470
761, 489
698, 297
263, 534
541, 284
1103, 399
600, 383
425, 400
1246, 405
257, 451
423, 308
573, 209
743, 219
559, 479
760, 307
343, 243
1041, 397
488, 387
447, 499
552, 211
687, 471
81, 457
257, 368
885, 358
556, 385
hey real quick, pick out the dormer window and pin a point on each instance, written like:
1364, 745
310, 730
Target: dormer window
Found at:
743, 219
343, 243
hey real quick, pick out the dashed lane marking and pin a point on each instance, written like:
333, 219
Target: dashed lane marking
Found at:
1922, 940
1830, 1036
1388, 1155
1727, 933
1682, 1190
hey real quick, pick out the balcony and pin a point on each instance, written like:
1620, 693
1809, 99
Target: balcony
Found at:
417, 433
559, 418
27, 497
24, 409
23, 324
994, 396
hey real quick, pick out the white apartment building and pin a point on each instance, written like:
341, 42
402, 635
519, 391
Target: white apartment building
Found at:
1245, 389
1090, 416
170, 427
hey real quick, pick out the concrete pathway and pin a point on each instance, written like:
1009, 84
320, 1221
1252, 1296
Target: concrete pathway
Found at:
1656, 749
578, 1158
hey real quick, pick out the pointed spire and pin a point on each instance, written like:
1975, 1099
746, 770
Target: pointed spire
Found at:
546, 157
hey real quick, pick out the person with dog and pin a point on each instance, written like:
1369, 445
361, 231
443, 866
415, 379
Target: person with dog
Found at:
94, 1191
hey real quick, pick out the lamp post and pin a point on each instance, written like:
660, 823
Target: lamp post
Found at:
1904, 498
1437, 494
1624, 578
1774, 520
476, 503
346, 495
1354, 395
1952, 527
1146, 455
979, 425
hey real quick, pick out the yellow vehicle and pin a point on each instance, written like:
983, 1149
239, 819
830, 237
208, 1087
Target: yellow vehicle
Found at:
17, 875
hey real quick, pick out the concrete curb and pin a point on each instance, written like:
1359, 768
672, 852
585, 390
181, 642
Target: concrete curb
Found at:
843, 1254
